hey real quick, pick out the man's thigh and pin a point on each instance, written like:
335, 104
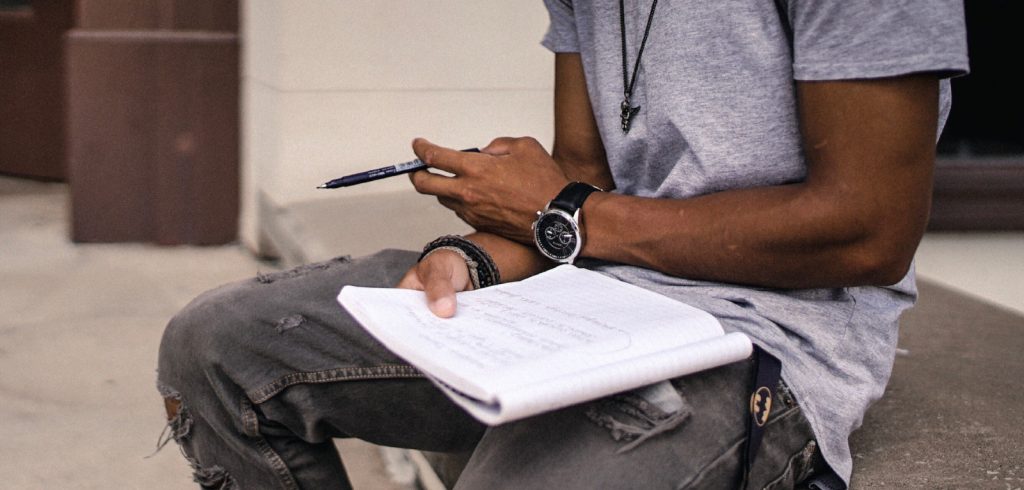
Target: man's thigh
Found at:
275, 359
284, 328
626, 441
320, 374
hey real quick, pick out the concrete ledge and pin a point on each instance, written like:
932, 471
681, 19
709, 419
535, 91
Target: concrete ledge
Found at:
322, 229
951, 416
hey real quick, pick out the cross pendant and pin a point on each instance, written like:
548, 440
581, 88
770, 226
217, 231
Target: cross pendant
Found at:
627, 114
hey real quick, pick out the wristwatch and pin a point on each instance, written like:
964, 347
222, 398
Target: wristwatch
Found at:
557, 231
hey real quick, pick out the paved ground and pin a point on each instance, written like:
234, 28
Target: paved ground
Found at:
79, 329
988, 266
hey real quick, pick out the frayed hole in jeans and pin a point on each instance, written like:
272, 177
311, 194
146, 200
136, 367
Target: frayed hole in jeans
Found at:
637, 421
267, 278
213, 477
177, 428
289, 322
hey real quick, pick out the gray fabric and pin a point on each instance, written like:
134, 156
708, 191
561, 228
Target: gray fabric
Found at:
716, 90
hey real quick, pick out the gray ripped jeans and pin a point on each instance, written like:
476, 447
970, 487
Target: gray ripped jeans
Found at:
267, 371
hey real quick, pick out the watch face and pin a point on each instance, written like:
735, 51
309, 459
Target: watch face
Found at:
557, 235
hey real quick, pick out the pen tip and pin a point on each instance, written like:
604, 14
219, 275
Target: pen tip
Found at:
321, 186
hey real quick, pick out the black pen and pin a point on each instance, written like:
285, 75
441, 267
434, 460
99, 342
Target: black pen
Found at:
380, 173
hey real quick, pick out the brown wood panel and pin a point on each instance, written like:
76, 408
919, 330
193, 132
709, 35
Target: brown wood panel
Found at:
32, 89
194, 15
153, 136
982, 194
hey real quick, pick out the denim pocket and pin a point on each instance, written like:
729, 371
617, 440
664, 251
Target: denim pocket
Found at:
798, 468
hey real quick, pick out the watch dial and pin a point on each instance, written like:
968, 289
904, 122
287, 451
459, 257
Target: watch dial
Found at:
556, 235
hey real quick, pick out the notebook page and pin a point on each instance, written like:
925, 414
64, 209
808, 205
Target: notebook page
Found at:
563, 321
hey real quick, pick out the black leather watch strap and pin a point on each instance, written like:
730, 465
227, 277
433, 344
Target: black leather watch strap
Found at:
572, 196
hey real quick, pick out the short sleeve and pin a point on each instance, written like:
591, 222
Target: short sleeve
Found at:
844, 39
561, 36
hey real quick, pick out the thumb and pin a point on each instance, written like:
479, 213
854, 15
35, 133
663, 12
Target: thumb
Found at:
411, 280
440, 294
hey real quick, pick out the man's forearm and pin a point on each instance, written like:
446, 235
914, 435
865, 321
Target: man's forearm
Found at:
515, 261
774, 237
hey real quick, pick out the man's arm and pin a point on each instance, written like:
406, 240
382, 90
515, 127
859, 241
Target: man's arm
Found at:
855, 220
577, 149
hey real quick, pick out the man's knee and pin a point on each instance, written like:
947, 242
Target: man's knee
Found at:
206, 326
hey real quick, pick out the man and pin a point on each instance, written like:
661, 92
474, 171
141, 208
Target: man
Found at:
767, 162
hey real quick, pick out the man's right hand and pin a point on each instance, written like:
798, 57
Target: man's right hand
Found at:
440, 275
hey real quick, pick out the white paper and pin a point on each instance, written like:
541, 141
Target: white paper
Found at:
558, 338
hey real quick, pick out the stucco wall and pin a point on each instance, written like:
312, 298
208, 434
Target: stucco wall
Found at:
336, 87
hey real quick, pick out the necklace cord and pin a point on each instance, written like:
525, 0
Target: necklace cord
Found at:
628, 87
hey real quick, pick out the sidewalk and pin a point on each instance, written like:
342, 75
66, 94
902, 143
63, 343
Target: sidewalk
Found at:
79, 331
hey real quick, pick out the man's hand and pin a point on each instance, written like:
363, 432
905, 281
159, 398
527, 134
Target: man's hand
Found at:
498, 190
440, 275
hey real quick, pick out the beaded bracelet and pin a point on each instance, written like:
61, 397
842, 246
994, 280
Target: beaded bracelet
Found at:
482, 270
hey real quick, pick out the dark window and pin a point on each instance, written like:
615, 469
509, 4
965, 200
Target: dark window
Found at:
987, 119
14, 5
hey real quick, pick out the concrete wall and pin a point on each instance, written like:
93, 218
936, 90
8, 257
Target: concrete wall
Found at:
336, 87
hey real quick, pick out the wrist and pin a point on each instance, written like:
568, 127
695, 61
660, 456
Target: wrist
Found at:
515, 260
458, 255
483, 272
558, 232
594, 245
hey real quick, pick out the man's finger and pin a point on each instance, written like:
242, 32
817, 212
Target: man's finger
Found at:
448, 202
442, 158
440, 293
433, 184
499, 146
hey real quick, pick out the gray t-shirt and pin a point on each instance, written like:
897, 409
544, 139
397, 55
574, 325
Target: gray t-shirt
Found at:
716, 88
